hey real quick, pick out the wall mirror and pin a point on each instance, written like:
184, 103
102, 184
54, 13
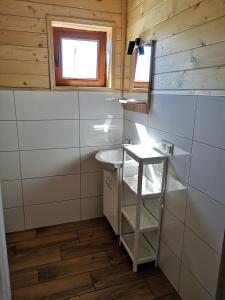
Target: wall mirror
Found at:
141, 77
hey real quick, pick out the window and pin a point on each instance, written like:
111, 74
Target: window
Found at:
80, 57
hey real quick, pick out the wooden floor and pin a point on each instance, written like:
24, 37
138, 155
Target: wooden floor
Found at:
79, 261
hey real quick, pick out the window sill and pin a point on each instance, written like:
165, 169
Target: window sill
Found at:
93, 89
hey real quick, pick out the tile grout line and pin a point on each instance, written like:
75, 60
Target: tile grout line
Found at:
81, 212
186, 203
21, 181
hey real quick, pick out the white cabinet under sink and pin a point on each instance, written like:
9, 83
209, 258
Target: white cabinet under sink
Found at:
111, 190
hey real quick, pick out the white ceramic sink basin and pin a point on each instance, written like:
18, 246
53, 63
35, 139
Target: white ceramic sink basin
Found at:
110, 159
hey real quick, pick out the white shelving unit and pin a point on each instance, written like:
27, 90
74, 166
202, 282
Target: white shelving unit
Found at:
144, 172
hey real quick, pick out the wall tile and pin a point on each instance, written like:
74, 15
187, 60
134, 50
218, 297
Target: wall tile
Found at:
7, 109
12, 193
91, 208
135, 132
206, 217
169, 264
9, 165
101, 132
52, 213
210, 121
51, 189
173, 113
136, 117
172, 232
40, 163
210, 162
48, 134
190, 289
99, 105
14, 219
175, 197
45, 105
8, 134
91, 184
179, 162
201, 261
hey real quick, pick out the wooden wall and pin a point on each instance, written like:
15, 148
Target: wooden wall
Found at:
190, 34
23, 37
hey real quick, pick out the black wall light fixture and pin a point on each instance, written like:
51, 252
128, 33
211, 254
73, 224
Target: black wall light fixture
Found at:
136, 43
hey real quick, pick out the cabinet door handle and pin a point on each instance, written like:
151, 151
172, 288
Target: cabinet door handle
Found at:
108, 182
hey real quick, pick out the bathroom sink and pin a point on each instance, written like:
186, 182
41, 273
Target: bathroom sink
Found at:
110, 159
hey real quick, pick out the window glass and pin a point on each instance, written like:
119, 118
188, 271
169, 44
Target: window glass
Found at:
79, 59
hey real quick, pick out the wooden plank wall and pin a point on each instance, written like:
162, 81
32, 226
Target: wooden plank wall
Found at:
190, 48
23, 37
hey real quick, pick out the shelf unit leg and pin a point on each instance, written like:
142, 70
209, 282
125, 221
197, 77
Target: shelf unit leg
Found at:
135, 267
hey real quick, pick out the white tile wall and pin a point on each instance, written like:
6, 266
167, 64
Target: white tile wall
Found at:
7, 109
179, 162
97, 105
210, 121
173, 113
61, 181
190, 288
206, 217
36, 134
14, 219
52, 213
40, 163
91, 208
201, 260
51, 189
195, 125
40, 105
208, 170
175, 197
12, 193
101, 132
8, 134
169, 264
9, 165
172, 232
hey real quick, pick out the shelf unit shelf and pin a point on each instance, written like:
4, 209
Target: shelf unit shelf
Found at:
147, 221
144, 172
148, 188
146, 253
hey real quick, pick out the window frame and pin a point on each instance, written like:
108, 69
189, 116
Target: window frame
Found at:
62, 32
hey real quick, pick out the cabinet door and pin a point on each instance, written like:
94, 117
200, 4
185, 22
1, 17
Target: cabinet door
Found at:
110, 199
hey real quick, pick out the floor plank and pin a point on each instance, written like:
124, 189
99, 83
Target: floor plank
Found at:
130, 291
63, 228
80, 261
73, 266
117, 255
37, 257
70, 250
170, 297
57, 289
24, 278
46, 241
20, 236
160, 286
114, 275
94, 233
